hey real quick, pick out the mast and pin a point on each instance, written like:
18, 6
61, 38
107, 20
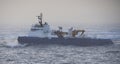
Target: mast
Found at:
40, 19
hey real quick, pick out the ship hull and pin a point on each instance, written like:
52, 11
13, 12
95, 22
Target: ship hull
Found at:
63, 41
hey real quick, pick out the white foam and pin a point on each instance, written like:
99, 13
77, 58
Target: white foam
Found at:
11, 42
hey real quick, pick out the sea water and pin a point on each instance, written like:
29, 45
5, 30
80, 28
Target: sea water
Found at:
13, 53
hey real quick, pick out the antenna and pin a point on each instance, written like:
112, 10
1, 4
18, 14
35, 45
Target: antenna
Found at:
40, 19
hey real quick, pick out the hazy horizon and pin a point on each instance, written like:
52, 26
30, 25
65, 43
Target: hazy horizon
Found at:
60, 12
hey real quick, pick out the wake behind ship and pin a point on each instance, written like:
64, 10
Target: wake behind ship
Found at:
42, 34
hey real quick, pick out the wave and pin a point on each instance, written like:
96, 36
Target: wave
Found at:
10, 42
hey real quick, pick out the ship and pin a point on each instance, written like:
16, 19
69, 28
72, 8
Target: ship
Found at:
42, 34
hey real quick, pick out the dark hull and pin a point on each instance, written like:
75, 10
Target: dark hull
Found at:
64, 41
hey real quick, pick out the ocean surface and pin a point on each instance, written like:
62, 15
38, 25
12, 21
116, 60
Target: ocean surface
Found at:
13, 53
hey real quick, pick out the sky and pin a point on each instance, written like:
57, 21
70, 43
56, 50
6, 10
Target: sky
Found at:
21, 13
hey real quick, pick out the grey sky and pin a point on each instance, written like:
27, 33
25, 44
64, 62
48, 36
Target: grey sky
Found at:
60, 12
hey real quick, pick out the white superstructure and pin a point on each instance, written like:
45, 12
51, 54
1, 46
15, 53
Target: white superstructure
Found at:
44, 31
40, 29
